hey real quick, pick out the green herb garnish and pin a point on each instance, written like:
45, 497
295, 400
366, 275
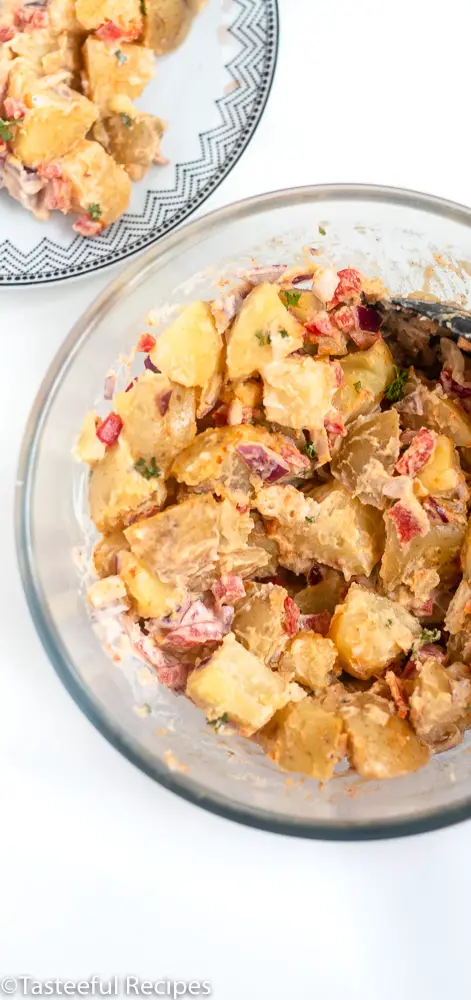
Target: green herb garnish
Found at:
5, 133
292, 298
395, 388
357, 386
126, 119
94, 211
284, 333
322, 231
143, 7
121, 58
425, 636
310, 450
260, 337
150, 471
217, 723
310, 520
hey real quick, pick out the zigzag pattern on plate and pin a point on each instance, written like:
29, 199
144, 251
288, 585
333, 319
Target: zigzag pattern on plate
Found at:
256, 30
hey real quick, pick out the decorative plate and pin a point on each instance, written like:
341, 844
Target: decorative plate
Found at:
211, 92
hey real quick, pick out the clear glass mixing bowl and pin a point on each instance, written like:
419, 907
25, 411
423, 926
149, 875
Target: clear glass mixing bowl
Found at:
413, 242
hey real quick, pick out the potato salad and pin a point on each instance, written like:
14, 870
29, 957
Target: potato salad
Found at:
281, 496
71, 138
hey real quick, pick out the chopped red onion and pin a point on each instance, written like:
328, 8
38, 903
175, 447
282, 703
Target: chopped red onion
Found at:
450, 385
266, 272
150, 365
315, 575
163, 401
262, 462
368, 319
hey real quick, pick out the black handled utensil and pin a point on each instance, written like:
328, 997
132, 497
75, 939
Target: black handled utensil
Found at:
447, 314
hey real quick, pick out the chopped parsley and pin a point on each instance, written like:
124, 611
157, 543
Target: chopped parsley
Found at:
126, 119
143, 7
94, 211
322, 231
395, 388
217, 723
269, 338
426, 635
357, 386
310, 520
121, 58
5, 132
260, 337
292, 298
150, 471
284, 333
310, 450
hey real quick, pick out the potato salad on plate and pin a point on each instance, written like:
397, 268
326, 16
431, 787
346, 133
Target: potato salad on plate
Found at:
281, 495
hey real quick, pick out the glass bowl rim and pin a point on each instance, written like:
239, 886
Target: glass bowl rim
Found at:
49, 635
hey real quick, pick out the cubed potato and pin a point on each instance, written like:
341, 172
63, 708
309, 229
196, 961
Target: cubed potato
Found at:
259, 539
309, 659
132, 140
412, 571
305, 738
442, 475
366, 376
151, 597
117, 491
259, 622
89, 448
263, 331
97, 182
422, 407
189, 351
458, 616
301, 304
213, 462
339, 531
166, 24
322, 596
438, 704
380, 745
298, 392
56, 120
370, 632
63, 17
234, 527
108, 593
236, 683
109, 74
248, 562
106, 551
158, 418
125, 13
367, 455
181, 542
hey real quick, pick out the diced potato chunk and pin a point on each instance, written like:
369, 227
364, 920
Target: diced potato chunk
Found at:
263, 331
106, 593
367, 455
381, 745
179, 543
166, 24
414, 570
259, 539
298, 391
338, 531
62, 17
442, 475
133, 140
309, 659
118, 493
57, 119
458, 616
366, 376
108, 75
304, 306
234, 527
236, 683
438, 704
259, 620
151, 597
322, 596
93, 13
150, 432
96, 180
89, 448
425, 408
370, 631
106, 551
305, 738
189, 351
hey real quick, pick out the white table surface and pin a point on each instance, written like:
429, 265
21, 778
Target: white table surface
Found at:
103, 871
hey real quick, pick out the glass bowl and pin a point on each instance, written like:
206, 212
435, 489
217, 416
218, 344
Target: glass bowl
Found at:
412, 242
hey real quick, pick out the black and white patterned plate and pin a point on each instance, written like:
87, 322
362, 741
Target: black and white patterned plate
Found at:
212, 92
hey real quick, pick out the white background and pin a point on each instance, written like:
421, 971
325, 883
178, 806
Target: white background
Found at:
102, 871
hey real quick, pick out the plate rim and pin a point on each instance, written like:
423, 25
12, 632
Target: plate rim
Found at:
82, 270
